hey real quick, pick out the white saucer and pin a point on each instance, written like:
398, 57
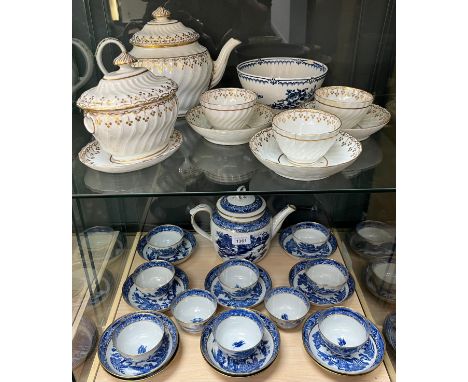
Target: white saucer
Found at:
343, 153
145, 301
262, 117
213, 285
375, 118
94, 157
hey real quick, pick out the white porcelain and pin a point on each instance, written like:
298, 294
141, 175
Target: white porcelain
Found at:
228, 108
238, 332
343, 330
375, 118
165, 240
241, 226
261, 117
343, 153
282, 82
168, 48
154, 277
131, 112
305, 135
286, 306
94, 157
139, 339
193, 308
238, 277
348, 104
310, 237
327, 277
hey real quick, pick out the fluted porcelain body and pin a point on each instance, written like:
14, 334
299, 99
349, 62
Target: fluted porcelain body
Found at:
134, 133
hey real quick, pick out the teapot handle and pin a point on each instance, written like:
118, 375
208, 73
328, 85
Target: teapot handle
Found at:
88, 56
196, 227
101, 46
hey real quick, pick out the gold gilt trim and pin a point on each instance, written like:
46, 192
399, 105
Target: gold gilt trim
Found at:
124, 78
302, 140
153, 46
338, 107
244, 108
150, 103
145, 158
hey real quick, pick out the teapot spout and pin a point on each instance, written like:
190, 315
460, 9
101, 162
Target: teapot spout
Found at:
220, 64
278, 219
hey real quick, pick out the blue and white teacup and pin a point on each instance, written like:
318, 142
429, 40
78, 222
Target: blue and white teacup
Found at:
343, 330
139, 336
154, 277
286, 306
310, 237
193, 308
238, 277
238, 332
164, 241
326, 276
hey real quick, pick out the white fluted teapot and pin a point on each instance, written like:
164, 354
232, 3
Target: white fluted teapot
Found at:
241, 227
131, 112
169, 48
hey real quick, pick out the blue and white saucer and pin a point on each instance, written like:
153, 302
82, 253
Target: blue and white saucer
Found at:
213, 285
389, 329
297, 279
145, 301
117, 365
186, 249
287, 242
263, 357
361, 362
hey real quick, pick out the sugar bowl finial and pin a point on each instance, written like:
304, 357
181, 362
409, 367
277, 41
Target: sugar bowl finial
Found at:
161, 13
124, 58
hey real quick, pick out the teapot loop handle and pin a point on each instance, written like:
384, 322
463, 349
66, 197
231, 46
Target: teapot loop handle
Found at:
100, 47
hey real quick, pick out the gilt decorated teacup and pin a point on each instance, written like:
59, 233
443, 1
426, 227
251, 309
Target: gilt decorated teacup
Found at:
228, 108
305, 135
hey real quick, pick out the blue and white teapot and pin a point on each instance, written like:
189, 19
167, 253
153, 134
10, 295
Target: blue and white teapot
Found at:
241, 226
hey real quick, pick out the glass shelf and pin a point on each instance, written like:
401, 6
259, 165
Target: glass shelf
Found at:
203, 168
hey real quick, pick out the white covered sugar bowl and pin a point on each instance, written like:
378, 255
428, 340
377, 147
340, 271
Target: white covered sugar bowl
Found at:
169, 48
131, 112
241, 226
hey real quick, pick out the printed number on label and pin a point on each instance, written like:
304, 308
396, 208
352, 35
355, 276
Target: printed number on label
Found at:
238, 240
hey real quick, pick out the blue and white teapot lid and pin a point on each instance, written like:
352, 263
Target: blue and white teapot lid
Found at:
241, 206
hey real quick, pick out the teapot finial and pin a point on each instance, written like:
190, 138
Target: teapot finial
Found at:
124, 58
161, 13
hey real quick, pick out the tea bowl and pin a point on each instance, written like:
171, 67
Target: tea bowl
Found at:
305, 135
286, 306
383, 274
350, 105
193, 308
139, 337
343, 330
375, 233
282, 82
238, 332
228, 108
325, 276
165, 240
238, 277
310, 237
154, 277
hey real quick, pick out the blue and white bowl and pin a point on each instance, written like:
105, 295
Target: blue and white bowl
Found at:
193, 308
282, 82
125, 368
154, 277
139, 337
326, 276
164, 241
343, 330
363, 361
310, 237
238, 277
238, 332
286, 306
389, 329
264, 355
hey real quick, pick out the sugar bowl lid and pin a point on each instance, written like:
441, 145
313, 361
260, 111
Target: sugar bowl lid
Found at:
241, 206
126, 87
163, 32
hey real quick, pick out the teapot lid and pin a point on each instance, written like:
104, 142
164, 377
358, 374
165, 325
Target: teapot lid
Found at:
163, 32
126, 87
242, 206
